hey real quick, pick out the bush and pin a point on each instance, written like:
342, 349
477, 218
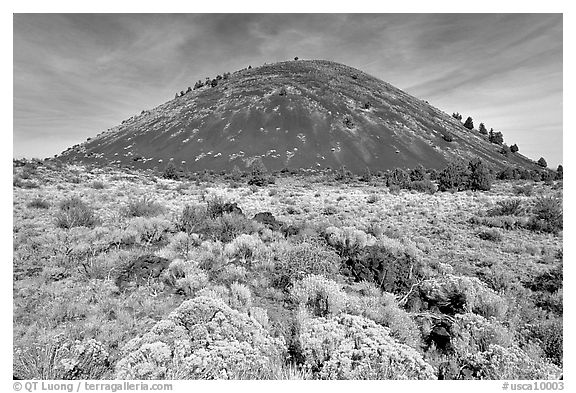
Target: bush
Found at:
143, 207
347, 241
329, 210
202, 339
58, 359
170, 172
550, 280
192, 219
491, 235
453, 177
514, 148
295, 261
418, 173
343, 174
508, 207
353, 347
186, 277
244, 248
148, 231
527, 189
398, 177
229, 226
548, 216
38, 203
478, 176
448, 137
507, 363
370, 302
373, 198
98, 185
425, 186
259, 174
75, 213
321, 296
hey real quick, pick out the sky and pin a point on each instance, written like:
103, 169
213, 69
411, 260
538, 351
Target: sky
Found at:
76, 75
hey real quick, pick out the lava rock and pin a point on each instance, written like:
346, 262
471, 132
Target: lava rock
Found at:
268, 220
141, 269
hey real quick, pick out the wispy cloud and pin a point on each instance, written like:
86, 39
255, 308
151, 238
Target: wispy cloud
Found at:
76, 75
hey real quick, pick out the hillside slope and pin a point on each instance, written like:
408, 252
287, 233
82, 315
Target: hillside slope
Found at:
294, 114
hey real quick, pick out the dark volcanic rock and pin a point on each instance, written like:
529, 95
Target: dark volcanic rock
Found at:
268, 220
141, 270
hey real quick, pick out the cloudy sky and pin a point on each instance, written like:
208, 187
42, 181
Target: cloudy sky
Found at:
78, 75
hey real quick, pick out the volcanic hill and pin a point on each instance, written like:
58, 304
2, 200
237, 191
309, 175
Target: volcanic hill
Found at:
293, 114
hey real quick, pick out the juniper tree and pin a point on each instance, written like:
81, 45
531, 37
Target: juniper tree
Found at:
495, 137
457, 116
542, 162
482, 129
469, 123
258, 175
453, 177
418, 173
478, 176
514, 148
560, 172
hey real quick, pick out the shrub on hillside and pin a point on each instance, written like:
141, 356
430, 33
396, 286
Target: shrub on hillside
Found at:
453, 177
495, 137
75, 213
469, 123
424, 186
542, 162
398, 177
478, 176
143, 207
548, 216
258, 174
418, 173
507, 207
170, 172
482, 129
491, 235
38, 203
559, 173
